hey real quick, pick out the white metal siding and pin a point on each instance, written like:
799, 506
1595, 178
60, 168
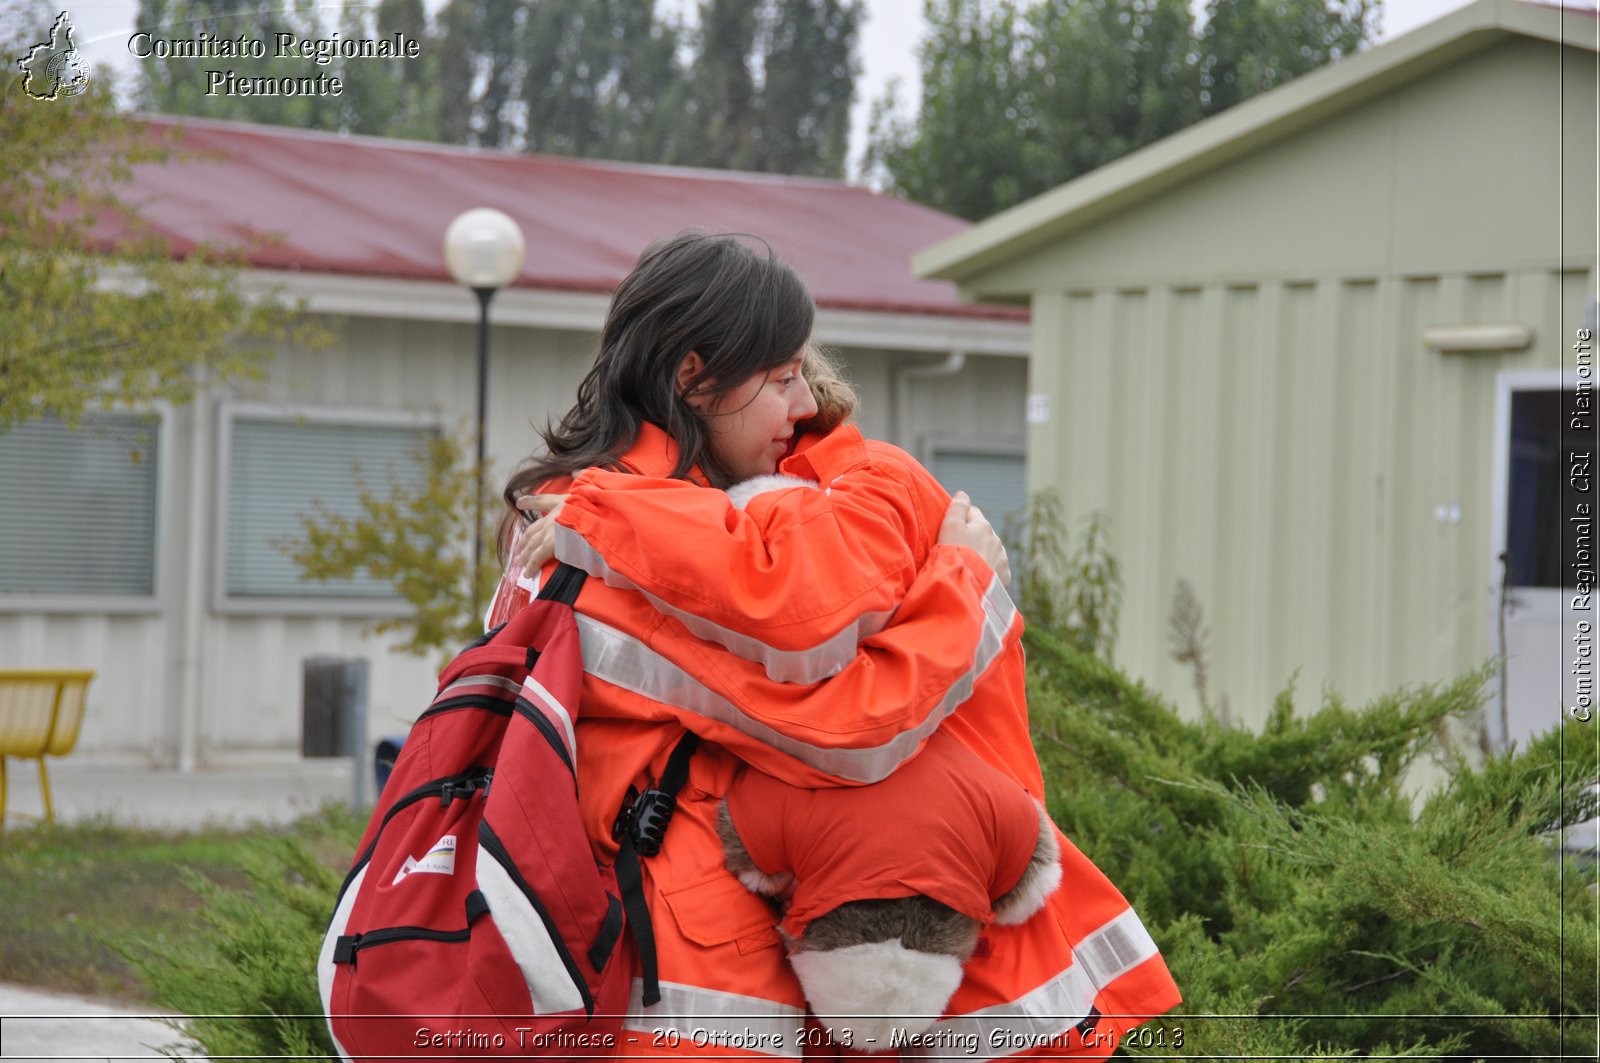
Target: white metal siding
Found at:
248, 666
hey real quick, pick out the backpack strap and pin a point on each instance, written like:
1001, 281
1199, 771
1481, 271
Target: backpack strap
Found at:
639, 830
642, 823
563, 585
676, 773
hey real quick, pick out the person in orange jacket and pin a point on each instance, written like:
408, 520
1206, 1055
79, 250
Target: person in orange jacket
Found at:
884, 889
1090, 958
664, 401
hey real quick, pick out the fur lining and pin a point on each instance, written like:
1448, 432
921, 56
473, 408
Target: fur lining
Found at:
876, 989
738, 860
767, 885
1038, 882
741, 493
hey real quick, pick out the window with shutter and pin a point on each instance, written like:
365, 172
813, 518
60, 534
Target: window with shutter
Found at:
995, 479
281, 470
78, 515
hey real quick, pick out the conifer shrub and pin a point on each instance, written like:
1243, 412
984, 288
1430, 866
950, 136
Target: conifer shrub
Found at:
247, 973
1306, 904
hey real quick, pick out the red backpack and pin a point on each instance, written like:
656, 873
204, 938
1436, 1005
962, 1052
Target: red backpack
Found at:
475, 920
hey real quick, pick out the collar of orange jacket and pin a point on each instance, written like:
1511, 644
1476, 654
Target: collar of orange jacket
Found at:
819, 457
823, 457
654, 453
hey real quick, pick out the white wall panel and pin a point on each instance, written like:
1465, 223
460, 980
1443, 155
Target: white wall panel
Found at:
249, 666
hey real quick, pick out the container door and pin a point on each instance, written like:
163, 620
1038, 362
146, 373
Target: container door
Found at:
1536, 543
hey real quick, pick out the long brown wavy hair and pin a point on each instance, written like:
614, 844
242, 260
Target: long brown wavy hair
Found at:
737, 305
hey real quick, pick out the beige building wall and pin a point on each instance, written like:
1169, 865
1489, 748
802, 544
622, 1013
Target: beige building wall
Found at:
1298, 494
1238, 377
238, 662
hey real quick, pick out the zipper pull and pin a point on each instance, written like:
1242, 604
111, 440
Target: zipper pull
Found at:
344, 949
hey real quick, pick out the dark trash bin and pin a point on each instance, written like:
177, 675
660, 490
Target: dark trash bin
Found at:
333, 706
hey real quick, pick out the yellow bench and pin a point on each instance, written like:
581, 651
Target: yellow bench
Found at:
41, 711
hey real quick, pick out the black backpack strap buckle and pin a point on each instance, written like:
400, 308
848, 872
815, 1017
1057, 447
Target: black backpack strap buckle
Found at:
644, 819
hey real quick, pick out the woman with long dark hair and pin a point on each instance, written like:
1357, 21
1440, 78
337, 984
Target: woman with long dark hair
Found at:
819, 636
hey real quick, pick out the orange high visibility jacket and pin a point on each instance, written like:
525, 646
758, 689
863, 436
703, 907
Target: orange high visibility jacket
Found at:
794, 584
945, 826
726, 985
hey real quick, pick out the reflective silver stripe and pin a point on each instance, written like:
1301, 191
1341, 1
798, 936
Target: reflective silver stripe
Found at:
624, 661
482, 680
828, 657
548, 701
1115, 949
1049, 1011
1018, 1025
692, 1017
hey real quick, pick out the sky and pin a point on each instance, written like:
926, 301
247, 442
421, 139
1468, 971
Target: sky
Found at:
887, 48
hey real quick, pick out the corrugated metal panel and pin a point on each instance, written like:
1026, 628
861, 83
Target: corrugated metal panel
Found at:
1287, 459
1261, 325
128, 654
253, 699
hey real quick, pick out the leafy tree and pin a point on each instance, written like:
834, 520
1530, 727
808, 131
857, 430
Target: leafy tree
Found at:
183, 86
494, 43
455, 49
1018, 97
85, 322
758, 86
608, 82
411, 537
724, 103
391, 97
809, 71
762, 86
972, 145
1250, 46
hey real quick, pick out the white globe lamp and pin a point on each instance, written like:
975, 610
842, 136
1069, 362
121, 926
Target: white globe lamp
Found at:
484, 250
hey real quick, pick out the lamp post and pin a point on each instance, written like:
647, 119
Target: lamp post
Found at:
483, 249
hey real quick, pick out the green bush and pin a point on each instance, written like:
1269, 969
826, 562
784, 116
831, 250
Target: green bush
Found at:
1304, 908
247, 971
1307, 905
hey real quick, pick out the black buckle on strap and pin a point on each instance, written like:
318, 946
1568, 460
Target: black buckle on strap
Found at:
644, 819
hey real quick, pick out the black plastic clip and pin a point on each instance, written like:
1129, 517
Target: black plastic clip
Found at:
344, 948
475, 780
644, 818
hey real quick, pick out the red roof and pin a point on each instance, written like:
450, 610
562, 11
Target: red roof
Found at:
328, 203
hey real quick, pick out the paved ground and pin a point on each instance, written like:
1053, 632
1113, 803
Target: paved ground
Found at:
246, 788
255, 788
35, 1025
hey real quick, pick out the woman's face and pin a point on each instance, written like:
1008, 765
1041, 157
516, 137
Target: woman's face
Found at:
751, 425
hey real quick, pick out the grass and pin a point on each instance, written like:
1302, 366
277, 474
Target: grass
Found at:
80, 897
